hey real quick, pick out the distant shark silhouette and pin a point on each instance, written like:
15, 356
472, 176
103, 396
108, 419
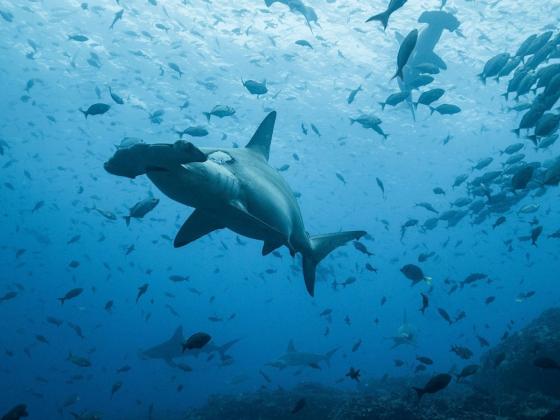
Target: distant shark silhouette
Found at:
294, 358
437, 21
171, 349
297, 6
406, 335
231, 188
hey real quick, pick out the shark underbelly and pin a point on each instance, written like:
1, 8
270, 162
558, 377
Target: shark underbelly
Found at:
268, 199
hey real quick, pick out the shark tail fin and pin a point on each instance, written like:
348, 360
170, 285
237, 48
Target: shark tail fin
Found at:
321, 246
381, 17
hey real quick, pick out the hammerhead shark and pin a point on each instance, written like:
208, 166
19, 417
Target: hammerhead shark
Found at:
297, 6
172, 349
231, 188
293, 358
437, 21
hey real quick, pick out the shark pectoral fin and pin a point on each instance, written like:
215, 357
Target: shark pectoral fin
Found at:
198, 224
260, 142
270, 246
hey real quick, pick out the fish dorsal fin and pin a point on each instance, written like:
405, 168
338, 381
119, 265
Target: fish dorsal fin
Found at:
260, 142
291, 348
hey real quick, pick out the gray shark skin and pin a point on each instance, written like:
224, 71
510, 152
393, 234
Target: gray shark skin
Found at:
294, 358
171, 349
234, 189
437, 22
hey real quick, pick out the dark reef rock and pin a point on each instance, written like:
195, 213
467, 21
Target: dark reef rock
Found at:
517, 373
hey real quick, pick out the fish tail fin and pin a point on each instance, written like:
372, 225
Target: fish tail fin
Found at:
127, 220
381, 17
320, 247
432, 110
482, 78
382, 106
207, 115
516, 131
83, 112
505, 95
415, 104
385, 136
419, 391
61, 300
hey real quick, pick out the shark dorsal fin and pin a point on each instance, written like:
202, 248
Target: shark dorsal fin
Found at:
178, 335
260, 142
291, 347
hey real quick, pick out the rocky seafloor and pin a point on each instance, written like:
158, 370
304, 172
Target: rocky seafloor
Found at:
515, 389
331, 403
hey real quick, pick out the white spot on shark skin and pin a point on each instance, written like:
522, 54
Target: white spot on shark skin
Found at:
220, 157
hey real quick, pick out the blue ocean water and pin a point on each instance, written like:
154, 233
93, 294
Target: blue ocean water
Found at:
160, 66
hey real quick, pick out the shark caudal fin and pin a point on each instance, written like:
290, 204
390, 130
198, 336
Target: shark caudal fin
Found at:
321, 246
